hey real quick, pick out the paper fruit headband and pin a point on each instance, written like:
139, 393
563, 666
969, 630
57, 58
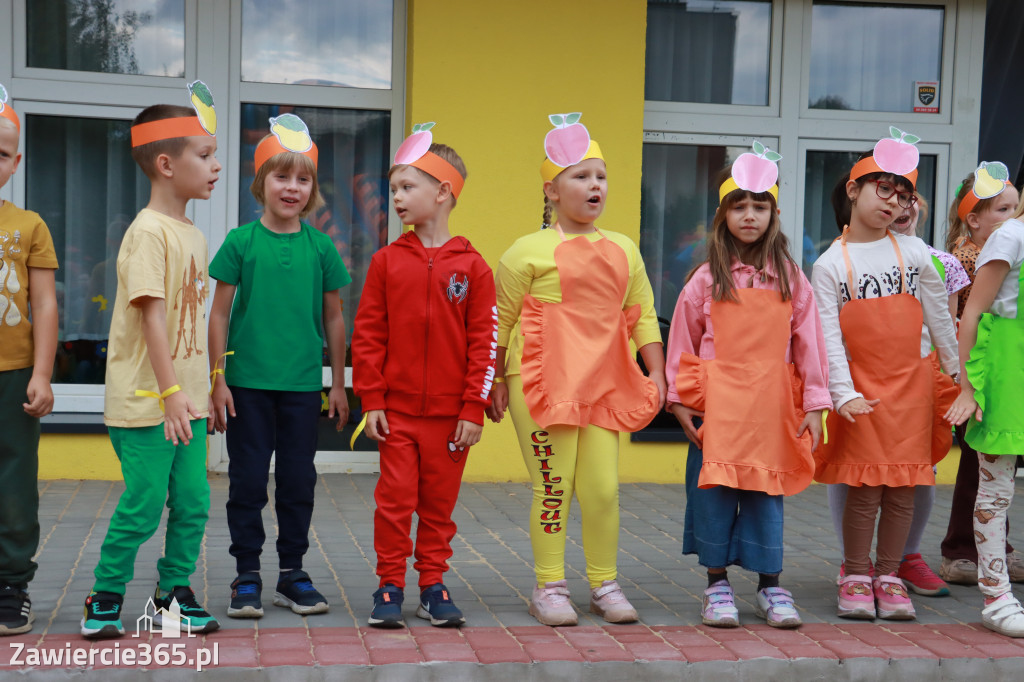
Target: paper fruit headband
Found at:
896, 155
990, 179
290, 134
415, 152
203, 123
6, 110
755, 172
567, 144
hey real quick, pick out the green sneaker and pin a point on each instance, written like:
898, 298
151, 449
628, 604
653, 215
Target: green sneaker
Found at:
190, 610
102, 619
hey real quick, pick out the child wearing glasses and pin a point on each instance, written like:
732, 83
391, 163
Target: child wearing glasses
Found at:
882, 305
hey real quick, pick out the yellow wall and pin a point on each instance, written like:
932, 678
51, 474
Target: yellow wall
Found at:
77, 456
490, 77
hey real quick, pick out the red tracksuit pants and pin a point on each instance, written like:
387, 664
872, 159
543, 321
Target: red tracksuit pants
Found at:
419, 473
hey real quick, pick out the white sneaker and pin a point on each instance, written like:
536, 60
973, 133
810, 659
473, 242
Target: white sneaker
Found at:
551, 605
610, 603
1005, 615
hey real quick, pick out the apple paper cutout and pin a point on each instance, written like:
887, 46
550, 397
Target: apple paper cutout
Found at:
567, 143
756, 172
416, 145
897, 155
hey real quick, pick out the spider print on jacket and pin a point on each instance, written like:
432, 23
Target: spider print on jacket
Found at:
888, 283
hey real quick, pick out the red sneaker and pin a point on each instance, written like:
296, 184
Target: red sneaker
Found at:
920, 578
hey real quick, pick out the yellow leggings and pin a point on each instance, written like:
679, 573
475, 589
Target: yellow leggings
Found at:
561, 460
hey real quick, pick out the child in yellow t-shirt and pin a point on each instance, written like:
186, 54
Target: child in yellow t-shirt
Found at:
157, 386
27, 262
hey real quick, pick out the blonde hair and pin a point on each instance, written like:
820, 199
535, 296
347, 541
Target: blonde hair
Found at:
288, 161
446, 153
959, 230
722, 249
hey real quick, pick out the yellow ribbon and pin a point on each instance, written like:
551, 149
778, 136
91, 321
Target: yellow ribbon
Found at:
217, 370
824, 429
359, 429
159, 396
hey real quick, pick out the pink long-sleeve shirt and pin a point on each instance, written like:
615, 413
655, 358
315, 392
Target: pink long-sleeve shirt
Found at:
692, 330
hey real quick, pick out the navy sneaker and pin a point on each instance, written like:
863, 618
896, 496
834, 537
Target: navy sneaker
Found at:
199, 621
245, 596
436, 605
295, 591
102, 617
387, 608
16, 614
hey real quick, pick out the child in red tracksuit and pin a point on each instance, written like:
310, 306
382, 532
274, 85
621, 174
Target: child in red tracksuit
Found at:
423, 363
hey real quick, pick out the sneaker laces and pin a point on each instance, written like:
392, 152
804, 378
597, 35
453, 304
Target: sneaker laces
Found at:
187, 600
104, 606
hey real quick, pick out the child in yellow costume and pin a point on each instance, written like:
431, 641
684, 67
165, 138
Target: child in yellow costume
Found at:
569, 300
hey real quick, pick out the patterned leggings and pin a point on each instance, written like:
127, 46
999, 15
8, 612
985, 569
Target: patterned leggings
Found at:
995, 493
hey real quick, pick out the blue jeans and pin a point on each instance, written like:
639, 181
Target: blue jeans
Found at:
725, 526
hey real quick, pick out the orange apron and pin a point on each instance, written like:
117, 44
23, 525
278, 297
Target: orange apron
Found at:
577, 365
751, 398
897, 444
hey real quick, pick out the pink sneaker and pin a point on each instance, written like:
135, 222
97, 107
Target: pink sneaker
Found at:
719, 608
551, 605
893, 599
855, 597
608, 602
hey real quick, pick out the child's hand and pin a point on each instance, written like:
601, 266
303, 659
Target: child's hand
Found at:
337, 401
499, 402
376, 425
40, 397
659, 379
467, 433
812, 423
857, 406
221, 401
685, 416
963, 407
178, 411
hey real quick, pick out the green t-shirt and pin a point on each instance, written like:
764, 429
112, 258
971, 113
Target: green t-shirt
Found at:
276, 328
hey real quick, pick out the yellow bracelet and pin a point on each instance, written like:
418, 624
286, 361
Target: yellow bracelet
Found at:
218, 370
498, 380
159, 396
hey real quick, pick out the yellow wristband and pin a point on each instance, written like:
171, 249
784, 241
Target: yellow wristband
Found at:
824, 427
159, 396
498, 380
359, 429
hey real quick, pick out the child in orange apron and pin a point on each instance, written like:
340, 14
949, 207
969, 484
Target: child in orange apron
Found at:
882, 305
992, 362
570, 298
746, 360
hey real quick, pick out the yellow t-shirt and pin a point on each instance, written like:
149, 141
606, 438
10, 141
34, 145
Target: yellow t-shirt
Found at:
528, 267
24, 243
162, 258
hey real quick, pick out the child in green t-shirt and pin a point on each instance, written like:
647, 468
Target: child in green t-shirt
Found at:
278, 282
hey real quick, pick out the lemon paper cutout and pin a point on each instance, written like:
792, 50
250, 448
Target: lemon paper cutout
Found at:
3, 97
291, 132
202, 102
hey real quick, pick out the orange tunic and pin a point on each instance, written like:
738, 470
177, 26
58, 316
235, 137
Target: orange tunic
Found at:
577, 366
751, 398
896, 444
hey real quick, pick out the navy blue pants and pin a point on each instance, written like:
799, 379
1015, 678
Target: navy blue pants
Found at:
268, 422
725, 526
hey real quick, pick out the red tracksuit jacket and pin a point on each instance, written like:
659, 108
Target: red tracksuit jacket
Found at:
426, 331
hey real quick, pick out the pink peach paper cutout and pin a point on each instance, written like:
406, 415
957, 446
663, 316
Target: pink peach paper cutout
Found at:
567, 143
897, 154
756, 172
416, 145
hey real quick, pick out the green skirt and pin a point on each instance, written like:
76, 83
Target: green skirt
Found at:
996, 370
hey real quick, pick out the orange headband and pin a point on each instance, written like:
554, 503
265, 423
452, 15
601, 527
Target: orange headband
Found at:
869, 165
8, 112
968, 203
271, 146
167, 129
439, 169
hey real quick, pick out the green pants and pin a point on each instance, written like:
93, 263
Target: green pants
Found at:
19, 471
156, 471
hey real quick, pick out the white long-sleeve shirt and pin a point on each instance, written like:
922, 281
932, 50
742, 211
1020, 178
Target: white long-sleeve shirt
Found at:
876, 274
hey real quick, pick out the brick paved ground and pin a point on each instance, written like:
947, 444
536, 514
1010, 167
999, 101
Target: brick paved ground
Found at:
491, 578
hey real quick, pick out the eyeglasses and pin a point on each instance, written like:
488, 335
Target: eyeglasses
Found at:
884, 190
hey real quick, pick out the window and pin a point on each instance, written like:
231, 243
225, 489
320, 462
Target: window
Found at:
317, 42
824, 168
81, 179
352, 171
869, 57
140, 37
708, 51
